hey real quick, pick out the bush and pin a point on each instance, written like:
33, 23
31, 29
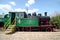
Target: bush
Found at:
55, 20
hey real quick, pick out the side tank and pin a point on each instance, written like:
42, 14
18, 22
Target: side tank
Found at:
29, 21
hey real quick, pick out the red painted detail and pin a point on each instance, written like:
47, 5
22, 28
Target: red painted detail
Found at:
26, 28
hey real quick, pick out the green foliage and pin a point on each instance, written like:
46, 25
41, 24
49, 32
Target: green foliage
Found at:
55, 20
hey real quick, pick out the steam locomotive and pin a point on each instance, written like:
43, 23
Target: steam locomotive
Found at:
28, 22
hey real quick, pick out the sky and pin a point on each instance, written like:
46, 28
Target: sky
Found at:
38, 6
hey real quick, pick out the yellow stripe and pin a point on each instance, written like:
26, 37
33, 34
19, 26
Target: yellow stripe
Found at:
6, 24
13, 22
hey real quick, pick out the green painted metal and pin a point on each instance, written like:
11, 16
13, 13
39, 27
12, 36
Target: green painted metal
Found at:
7, 21
27, 22
2, 19
21, 22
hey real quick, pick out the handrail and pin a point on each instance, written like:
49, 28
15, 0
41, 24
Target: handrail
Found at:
6, 24
13, 22
7, 21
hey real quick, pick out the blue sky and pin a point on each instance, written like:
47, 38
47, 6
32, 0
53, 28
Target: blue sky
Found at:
40, 6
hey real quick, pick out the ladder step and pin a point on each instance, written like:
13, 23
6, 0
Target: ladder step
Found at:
10, 29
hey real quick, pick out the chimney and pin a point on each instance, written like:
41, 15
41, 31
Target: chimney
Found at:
45, 13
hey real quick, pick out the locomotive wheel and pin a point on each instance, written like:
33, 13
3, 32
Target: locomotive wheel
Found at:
49, 29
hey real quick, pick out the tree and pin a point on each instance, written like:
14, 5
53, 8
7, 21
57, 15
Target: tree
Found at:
55, 20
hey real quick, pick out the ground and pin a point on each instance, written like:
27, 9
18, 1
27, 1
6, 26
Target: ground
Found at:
31, 36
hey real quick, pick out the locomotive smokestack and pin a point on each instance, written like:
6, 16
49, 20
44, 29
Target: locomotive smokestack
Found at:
45, 13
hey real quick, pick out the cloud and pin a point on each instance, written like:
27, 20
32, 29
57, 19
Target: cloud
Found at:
27, 5
13, 3
20, 10
24, 10
30, 2
33, 10
55, 14
6, 7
